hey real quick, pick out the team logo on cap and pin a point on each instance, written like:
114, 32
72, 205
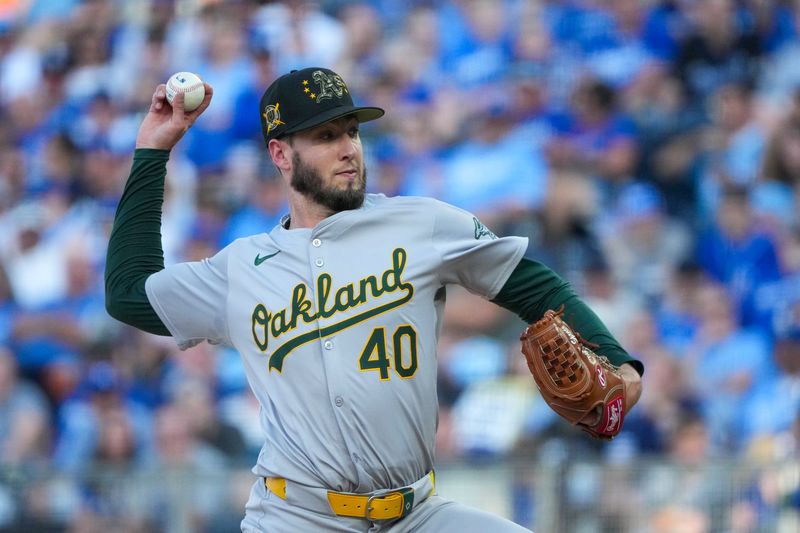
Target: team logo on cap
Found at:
272, 116
329, 86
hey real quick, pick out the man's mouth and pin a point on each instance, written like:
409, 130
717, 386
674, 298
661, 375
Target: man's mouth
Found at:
348, 173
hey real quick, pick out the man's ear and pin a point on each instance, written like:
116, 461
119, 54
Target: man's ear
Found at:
280, 153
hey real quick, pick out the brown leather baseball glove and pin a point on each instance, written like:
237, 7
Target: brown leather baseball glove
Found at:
581, 386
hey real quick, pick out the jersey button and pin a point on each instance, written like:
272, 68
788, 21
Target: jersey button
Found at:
317, 243
319, 262
328, 345
339, 401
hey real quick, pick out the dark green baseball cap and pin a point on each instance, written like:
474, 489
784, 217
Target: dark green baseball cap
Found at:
306, 98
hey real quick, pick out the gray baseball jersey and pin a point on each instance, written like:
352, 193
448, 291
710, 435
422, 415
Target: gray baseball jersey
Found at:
337, 327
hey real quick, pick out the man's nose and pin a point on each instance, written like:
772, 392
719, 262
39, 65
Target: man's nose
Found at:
347, 147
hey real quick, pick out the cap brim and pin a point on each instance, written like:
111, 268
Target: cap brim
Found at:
362, 114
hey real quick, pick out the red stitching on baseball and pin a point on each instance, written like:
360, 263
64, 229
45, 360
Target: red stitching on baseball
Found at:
187, 89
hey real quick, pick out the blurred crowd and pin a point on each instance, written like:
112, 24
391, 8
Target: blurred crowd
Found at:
650, 150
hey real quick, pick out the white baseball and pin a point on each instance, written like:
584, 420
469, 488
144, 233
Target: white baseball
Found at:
190, 85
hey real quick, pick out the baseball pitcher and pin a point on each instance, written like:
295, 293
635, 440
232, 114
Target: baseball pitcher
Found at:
336, 314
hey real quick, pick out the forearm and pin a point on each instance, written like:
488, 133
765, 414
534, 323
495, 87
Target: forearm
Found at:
134, 248
533, 288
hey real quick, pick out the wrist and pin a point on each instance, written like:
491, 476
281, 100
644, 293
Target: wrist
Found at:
633, 384
143, 152
151, 145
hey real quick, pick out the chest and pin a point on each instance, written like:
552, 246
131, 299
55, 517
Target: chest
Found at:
288, 297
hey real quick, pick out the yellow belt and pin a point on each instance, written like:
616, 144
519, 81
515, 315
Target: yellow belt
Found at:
384, 506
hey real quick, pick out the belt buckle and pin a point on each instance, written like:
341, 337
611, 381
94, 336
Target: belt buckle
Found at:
369, 505
407, 494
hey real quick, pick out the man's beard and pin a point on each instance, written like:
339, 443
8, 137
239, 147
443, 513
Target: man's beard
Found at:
308, 182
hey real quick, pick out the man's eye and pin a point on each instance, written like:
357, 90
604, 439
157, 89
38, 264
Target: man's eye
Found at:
353, 133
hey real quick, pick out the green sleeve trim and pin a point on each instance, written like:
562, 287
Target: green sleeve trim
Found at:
533, 288
134, 248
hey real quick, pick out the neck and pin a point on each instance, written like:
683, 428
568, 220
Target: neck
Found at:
303, 213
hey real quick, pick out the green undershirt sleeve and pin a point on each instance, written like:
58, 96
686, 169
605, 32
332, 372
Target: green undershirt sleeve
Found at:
134, 248
533, 288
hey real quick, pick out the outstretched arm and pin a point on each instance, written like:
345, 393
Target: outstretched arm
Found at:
134, 248
533, 288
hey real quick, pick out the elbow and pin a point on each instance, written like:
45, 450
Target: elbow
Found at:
112, 306
122, 295
130, 306
110, 296
118, 300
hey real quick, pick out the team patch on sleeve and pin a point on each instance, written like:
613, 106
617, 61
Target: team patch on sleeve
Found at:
481, 230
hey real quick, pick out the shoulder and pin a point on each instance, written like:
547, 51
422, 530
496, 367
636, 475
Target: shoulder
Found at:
408, 203
419, 208
443, 219
439, 217
381, 201
258, 240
